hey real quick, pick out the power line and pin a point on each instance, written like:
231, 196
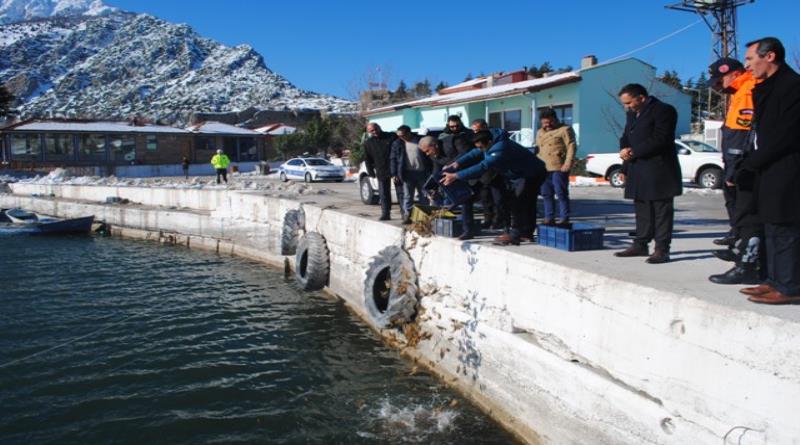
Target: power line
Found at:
655, 42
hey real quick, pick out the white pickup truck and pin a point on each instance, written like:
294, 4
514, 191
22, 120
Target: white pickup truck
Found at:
701, 164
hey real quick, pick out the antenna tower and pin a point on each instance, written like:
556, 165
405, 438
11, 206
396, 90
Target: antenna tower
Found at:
720, 16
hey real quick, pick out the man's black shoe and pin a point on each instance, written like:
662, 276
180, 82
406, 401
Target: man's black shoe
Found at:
659, 256
408, 221
725, 255
728, 240
746, 274
384, 218
632, 251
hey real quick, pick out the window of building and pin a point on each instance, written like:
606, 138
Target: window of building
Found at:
122, 148
152, 142
564, 113
509, 120
26, 147
58, 147
229, 147
247, 149
92, 147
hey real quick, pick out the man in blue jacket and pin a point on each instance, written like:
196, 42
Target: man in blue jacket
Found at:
519, 166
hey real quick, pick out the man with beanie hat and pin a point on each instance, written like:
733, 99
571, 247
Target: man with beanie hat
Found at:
730, 76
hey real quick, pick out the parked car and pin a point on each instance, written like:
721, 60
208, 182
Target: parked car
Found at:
310, 169
701, 164
369, 186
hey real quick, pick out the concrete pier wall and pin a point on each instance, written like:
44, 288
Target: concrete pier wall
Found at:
557, 355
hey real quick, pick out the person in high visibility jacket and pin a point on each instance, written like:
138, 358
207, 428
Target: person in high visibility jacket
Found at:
744, 239
220, 162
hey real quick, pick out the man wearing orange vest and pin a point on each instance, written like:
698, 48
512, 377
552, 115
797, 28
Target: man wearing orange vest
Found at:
746, 234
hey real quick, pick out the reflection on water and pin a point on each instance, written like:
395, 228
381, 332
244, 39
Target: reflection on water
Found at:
112, 341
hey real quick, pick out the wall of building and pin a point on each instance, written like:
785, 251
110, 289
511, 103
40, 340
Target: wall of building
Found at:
601, 114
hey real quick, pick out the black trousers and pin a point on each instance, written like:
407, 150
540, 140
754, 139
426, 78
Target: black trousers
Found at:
783, 257
748, 228
222, 172
385, 195
654, 220
729, 193
522, 203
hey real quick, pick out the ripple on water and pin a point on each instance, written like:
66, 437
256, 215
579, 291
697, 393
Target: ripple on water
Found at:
105, 340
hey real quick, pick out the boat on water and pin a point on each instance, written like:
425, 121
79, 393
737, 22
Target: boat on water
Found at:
35, 223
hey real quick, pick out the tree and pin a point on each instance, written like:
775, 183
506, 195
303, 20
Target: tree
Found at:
468, 77
540, 71
401, 92
440, 86
318, 134
671, 78
6, 103
422, 89
290, 145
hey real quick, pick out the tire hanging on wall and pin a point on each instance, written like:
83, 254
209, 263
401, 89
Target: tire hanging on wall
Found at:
390, 288
293, 222
312, 262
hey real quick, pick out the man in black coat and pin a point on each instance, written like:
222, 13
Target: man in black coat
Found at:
774, 168
377, 153
653, 174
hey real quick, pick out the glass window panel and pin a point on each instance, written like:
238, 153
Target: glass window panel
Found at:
92, 147
152, 142
512, 120
122, 148
247, 149
495, 120
229, 147
58, 147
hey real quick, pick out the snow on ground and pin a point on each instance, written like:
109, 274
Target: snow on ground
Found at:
236, 181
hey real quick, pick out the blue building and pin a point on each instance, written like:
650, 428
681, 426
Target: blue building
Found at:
585, 98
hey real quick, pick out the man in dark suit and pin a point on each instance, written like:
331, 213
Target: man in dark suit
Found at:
377, 153
774, 168
653, 174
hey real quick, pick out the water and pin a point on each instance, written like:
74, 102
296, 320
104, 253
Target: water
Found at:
113, 341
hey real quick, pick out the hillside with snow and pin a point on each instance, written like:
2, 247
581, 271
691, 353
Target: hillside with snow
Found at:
80, 58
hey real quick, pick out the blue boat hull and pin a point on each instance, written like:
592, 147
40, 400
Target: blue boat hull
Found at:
67, 226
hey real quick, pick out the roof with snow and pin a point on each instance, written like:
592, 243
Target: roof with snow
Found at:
90, 127
276, 129
510, 89
214, 127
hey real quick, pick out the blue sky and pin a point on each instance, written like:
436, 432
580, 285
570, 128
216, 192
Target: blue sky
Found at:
327, 46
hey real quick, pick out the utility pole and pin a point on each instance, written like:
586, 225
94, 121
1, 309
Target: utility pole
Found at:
720, 16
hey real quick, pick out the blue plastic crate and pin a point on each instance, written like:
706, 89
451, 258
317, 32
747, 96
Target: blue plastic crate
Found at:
572, 237
452, 227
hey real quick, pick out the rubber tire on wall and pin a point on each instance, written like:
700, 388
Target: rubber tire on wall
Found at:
293, 222
312, 262
402, 302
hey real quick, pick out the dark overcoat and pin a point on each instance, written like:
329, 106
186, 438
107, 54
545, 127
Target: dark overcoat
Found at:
654, 172
776, 159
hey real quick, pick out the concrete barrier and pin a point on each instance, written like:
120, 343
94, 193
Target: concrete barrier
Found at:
556, 355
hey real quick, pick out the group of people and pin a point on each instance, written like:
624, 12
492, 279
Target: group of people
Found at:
761, 154
505, 176
761, 151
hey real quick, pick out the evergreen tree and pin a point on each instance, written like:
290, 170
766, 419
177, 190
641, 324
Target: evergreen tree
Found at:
422, 89
671, 78
468, 77
440, 86
401, 92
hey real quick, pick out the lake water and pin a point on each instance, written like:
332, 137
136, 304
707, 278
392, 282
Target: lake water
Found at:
105, 340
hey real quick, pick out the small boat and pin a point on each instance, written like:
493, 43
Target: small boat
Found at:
38, 224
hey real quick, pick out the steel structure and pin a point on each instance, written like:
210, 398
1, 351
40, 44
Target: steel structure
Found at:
720, 16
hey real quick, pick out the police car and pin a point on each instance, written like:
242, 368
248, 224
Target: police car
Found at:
310, 169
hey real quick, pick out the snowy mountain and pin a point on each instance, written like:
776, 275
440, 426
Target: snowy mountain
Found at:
12, 11
80, 58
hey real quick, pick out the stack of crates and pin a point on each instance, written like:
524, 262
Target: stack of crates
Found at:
572, 237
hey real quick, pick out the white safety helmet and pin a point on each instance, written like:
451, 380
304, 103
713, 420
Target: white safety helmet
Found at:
219, 151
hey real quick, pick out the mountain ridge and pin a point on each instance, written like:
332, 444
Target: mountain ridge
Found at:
116, 64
